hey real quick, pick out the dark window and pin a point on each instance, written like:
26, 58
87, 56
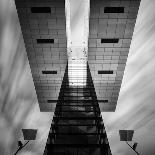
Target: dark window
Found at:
41, 10
49, 72
51, 101
45, 41
109, 40
102, 101
114, 10
105, 72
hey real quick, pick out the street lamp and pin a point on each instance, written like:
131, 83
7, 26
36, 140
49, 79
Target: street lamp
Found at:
126, 135
29, 134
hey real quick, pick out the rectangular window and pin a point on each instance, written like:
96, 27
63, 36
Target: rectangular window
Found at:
45, 41
40, 10
105, 72
49, 72
51, 101
114, 10
109, 40
102, 101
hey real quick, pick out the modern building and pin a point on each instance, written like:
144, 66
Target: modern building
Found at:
77, 83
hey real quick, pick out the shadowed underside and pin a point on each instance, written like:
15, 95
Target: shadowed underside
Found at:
77, 126
111, 27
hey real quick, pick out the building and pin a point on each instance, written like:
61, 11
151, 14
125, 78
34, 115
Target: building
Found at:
77, 100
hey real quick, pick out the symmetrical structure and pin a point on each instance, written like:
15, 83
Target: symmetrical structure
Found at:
77, 126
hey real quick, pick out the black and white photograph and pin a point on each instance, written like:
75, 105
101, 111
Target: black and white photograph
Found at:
77, 77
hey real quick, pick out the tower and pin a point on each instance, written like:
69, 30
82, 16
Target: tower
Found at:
77, 108
77, 126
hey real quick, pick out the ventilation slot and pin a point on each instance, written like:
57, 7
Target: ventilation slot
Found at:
109, 40
102, 101
105, 72
49, 72
40, 10
114, 10
51, 101
45, 41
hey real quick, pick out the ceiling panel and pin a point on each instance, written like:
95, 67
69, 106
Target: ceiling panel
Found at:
44, 31
111, 28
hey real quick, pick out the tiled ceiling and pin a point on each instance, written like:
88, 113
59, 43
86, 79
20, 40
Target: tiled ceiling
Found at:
111, 27
110, 33
44, 31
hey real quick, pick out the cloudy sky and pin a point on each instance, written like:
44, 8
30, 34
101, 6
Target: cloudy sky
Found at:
18, 101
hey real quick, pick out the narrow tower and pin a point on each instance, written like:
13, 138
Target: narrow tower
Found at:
77, 127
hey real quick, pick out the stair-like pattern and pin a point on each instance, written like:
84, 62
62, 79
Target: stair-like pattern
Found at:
77, 127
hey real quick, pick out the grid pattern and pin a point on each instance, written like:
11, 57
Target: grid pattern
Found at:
110, 36
77, 72
44, 31
77, 127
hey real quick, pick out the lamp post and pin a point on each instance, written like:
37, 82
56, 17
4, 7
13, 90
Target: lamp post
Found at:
126, 135
29, 134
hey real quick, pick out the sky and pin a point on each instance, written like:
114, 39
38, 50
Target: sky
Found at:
77, 21
18, 102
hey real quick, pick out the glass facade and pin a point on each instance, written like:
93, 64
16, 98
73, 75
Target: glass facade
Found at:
77, 127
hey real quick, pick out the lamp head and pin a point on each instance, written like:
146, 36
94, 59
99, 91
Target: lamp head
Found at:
134, 146
20, 144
